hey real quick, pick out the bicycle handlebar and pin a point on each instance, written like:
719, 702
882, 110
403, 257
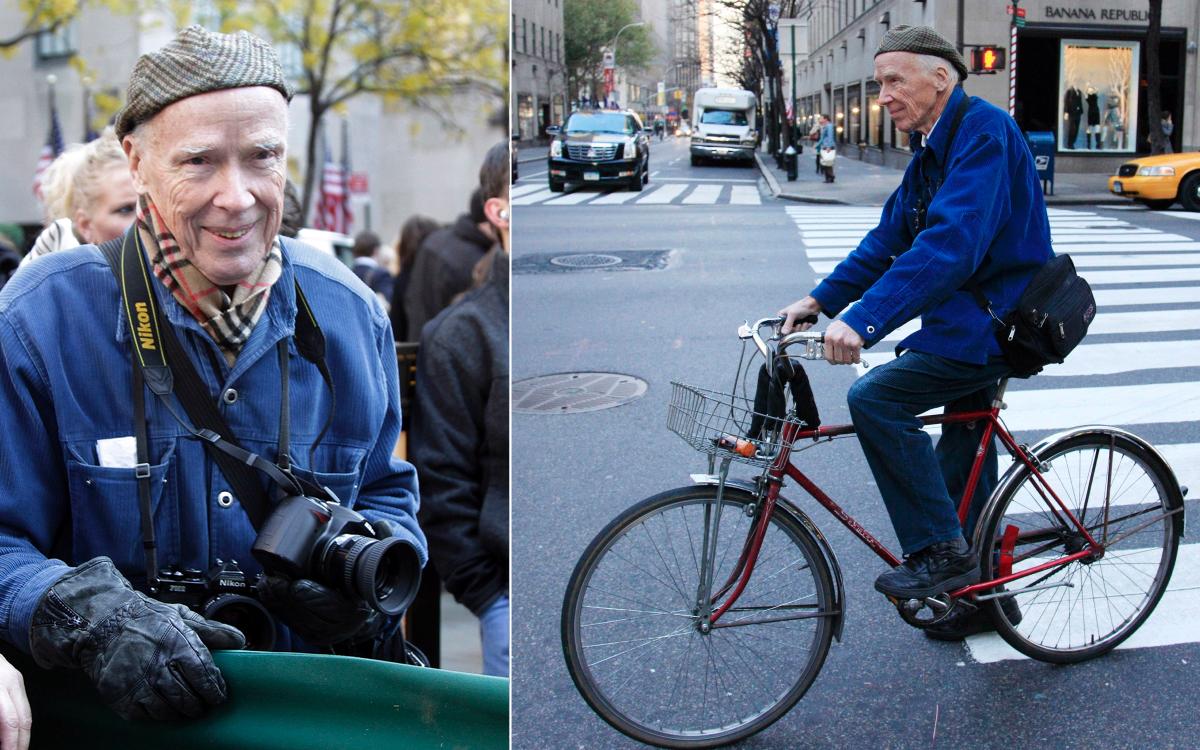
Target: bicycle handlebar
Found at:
814, 340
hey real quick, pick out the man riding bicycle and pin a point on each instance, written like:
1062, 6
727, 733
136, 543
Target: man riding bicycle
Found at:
967, 223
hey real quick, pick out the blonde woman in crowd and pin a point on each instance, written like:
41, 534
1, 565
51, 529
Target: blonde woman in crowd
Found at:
88, 196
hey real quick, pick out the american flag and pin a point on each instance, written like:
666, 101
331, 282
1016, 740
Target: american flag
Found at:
50, 151
333, 209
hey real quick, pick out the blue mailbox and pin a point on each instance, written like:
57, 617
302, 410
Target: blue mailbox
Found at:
1041, 143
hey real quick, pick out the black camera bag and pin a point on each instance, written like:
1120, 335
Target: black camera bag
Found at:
1050, 319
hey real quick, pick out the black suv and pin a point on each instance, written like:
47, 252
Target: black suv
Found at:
600, 146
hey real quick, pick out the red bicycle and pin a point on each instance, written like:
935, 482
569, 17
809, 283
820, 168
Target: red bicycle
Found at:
701, 615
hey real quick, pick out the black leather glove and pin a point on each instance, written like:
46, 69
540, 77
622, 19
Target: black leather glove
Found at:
318, 614
147, 659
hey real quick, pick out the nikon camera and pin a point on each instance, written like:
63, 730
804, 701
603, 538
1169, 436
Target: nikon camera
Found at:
302, 538
223, 594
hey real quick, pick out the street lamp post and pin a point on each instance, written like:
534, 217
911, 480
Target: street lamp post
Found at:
613, 47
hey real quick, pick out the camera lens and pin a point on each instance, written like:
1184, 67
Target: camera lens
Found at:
245, 614
383, 572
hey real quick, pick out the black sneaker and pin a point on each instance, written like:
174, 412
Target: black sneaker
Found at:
938, 568
959, 626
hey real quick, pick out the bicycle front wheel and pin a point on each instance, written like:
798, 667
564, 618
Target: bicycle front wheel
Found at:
1128, 501
637, 649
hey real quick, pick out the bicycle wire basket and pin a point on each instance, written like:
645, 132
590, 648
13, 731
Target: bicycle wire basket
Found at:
713, 423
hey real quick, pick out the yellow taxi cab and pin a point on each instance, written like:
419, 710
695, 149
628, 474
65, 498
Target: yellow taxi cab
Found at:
1159, 181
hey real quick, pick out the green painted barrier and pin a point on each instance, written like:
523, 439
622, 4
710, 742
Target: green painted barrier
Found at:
291, 701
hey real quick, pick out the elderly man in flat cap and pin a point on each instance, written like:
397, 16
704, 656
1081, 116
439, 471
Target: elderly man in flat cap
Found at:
104, 480
968, 220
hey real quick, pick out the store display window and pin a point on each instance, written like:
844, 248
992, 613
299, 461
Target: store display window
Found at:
1098, 105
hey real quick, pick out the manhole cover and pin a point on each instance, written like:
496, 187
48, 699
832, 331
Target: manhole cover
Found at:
611, 261
585, 260
572, 392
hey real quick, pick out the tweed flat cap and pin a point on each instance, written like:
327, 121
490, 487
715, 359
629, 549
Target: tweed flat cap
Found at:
922, 40
195, 62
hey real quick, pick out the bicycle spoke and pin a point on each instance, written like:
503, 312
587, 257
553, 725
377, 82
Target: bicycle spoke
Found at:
650, 668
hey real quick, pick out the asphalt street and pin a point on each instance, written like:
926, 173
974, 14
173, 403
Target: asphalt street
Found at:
713, 264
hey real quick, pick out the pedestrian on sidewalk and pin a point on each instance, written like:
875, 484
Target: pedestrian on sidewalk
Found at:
814, 135
826, 140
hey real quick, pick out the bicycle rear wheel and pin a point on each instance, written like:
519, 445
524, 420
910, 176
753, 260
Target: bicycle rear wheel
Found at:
634, 643
1125, 496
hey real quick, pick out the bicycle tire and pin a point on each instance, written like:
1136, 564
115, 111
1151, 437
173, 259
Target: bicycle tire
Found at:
646, 562
1113, 484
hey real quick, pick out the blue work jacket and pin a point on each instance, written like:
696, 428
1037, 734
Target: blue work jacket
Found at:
986, 223
67, 383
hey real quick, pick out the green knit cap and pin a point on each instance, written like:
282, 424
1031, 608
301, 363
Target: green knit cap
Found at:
922, 40
196, 62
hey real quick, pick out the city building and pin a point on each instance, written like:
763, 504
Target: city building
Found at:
1080, 71
539, 78
411, 160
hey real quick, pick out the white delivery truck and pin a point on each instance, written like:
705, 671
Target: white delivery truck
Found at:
723, 125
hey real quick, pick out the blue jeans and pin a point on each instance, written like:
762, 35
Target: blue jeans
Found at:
922, 486
493, 631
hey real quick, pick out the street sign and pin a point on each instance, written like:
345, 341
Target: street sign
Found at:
609, 60
358, 183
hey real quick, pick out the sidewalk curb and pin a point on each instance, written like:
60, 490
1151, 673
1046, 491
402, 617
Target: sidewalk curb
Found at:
772, 183
777, 191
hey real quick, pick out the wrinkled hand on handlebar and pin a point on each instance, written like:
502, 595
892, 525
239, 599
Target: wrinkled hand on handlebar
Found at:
843, 345
800, 315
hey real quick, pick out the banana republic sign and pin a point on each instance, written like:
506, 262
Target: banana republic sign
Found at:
1080, 13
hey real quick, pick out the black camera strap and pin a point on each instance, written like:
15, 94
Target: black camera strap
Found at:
160, 362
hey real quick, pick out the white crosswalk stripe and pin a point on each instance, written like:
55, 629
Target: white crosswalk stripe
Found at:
1130, 268
706, 192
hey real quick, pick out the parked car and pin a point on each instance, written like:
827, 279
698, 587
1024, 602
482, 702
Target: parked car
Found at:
1159, 181
600, 146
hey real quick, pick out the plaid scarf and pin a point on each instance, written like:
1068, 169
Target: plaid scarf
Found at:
228, 320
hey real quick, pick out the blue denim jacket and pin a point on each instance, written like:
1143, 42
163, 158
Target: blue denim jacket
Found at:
67, 383
987, 222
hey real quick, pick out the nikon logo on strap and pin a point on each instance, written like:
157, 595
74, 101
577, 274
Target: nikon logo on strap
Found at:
145, 333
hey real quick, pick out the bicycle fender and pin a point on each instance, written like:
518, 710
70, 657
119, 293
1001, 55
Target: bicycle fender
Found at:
801, 518
1018, 470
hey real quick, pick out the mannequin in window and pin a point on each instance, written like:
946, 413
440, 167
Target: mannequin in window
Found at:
1072, 110
1093, 117
1112, 130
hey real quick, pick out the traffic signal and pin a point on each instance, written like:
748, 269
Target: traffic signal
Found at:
987, 59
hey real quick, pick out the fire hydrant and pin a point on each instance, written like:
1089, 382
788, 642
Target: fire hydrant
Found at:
789, 158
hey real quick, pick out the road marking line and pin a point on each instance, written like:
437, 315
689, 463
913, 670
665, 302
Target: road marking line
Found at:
1143, 277
664, 194
706, 179
518, 190
1140, 321
741, 195
704, 194
615, 198
579, 196
1146, 296
1105, 359
1133, 259
531, 198
1074, 238
1063, 248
